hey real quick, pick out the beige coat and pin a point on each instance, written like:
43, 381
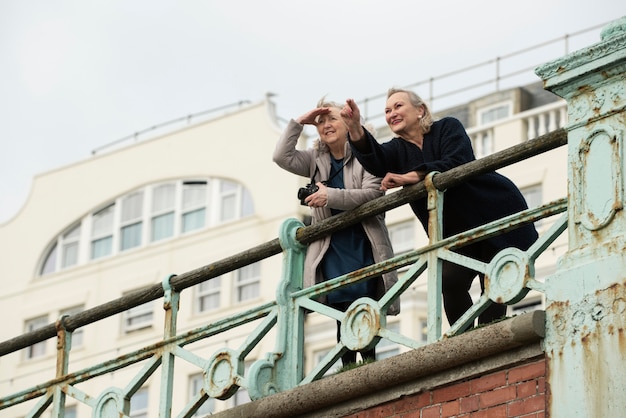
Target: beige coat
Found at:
360, 187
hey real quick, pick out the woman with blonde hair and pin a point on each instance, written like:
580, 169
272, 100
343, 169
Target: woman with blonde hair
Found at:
422, 146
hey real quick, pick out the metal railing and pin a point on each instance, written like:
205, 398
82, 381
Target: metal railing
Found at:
510, 70
281, 369
440, 91
169, 125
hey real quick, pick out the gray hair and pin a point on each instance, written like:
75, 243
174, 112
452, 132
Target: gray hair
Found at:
327, 103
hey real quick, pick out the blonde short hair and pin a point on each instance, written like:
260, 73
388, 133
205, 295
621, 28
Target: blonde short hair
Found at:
427, 120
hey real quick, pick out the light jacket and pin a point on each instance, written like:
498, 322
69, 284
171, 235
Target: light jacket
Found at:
360, 187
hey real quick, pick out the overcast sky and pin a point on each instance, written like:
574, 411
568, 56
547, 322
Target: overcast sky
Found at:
76, 75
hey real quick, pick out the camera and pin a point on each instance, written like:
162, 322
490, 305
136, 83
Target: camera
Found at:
306, 191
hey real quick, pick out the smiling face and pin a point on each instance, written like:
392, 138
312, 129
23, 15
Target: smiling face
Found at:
331, 128
401, 115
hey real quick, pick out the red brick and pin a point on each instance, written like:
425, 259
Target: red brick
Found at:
415, 414
497, 396
496, 412
527, 372
526, 389
431, 412
491, 381
380, 411
450, 409
450, 393
537, 403
541, 385
516, 408
470, 404
412, 403
527, 406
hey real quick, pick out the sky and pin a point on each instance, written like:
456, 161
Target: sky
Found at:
77, 75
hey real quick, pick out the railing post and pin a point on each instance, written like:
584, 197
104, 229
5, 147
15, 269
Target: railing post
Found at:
171, 299
435, 234
283, 369
64, 345
586, 297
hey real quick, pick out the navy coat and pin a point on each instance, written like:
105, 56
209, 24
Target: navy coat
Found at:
480, 200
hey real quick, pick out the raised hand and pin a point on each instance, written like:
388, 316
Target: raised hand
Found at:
309, 118
352, 118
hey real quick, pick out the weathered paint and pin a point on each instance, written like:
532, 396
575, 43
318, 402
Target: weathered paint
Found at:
586, 297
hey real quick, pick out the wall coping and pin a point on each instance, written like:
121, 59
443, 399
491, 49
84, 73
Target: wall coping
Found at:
474, 352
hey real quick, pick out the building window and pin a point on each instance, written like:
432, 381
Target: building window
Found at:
49, 265
77, 335
139, 404
194, 205
163, 205
102, 232
533, 195
69, 243
402, 236
534, 199
318, 356
482, 141
131, 221
235, 201
248, 282
138, 317
494, 113
38, 349
154, 213
196, 385
482, 144
247, 205
208, 295
228, 199
70, 247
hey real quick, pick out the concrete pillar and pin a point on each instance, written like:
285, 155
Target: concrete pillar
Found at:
586, 297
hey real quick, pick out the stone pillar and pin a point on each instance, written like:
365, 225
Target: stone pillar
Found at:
586, 298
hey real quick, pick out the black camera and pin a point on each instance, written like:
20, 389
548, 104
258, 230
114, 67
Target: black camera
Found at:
306, 191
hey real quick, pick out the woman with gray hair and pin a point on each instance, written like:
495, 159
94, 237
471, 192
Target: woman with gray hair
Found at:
340, 184
423, 146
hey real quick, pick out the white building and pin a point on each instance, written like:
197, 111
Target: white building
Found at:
127, 218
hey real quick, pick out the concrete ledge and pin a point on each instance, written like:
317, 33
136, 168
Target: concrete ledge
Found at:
488, 348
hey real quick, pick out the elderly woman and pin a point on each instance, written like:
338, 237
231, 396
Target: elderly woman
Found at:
343, 184
422, 146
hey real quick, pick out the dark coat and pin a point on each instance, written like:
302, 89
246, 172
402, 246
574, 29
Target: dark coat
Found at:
478, 201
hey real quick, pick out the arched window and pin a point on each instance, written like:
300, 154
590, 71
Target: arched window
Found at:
150, 214
68, 244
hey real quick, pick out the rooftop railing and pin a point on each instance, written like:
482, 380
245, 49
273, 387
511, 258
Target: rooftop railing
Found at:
441, 91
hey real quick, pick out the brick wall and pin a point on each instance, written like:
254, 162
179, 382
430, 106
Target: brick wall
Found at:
519, 391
